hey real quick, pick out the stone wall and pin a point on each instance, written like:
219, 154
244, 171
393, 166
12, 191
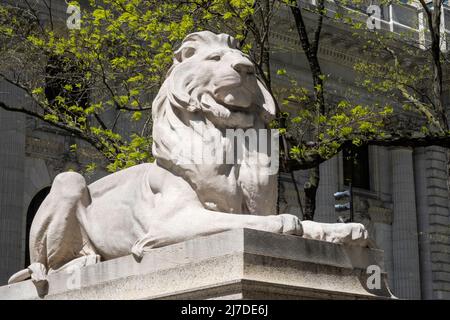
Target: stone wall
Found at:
12, 167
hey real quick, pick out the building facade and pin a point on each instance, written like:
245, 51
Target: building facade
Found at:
402, 196
404, 199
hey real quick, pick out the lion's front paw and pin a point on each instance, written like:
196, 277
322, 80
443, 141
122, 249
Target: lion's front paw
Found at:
345, 233
291, 224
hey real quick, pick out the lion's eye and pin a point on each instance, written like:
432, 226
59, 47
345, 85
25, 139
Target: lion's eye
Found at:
214, 57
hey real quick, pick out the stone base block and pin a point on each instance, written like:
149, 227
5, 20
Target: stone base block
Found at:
238, 264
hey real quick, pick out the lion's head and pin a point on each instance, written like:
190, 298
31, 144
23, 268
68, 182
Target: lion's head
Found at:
212, 85
210, 75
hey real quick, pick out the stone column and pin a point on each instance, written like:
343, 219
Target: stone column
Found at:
381, 217
433, 216
404, 226
329, 184
423, 222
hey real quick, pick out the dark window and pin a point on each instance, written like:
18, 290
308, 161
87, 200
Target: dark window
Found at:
32, 209
356, 167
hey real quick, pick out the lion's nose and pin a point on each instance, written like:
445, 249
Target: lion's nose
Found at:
243, 66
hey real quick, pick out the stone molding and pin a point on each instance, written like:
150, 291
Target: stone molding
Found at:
380, 215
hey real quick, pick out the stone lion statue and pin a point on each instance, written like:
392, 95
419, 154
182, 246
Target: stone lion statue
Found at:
211, 86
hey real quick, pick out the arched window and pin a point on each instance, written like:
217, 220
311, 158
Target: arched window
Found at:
32, 209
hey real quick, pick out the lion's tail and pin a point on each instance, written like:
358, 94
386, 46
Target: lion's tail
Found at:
22, 275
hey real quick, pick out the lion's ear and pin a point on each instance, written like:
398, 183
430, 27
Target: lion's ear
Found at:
267, 102
185, 52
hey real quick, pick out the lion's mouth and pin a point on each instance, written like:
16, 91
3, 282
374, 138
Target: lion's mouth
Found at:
235, 108
234, 94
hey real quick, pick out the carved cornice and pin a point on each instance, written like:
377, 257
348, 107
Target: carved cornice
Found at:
326, 52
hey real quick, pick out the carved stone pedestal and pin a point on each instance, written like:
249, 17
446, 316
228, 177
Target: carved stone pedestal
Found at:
239, 264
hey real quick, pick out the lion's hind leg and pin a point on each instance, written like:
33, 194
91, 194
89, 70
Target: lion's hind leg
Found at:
57, 236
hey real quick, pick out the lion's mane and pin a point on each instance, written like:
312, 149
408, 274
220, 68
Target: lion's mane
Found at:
184, 110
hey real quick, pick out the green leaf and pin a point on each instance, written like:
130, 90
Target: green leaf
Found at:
137, 116
227, 15
38, 91
51, 118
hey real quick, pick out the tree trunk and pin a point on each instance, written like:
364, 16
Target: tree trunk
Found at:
310, 189
311, 50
